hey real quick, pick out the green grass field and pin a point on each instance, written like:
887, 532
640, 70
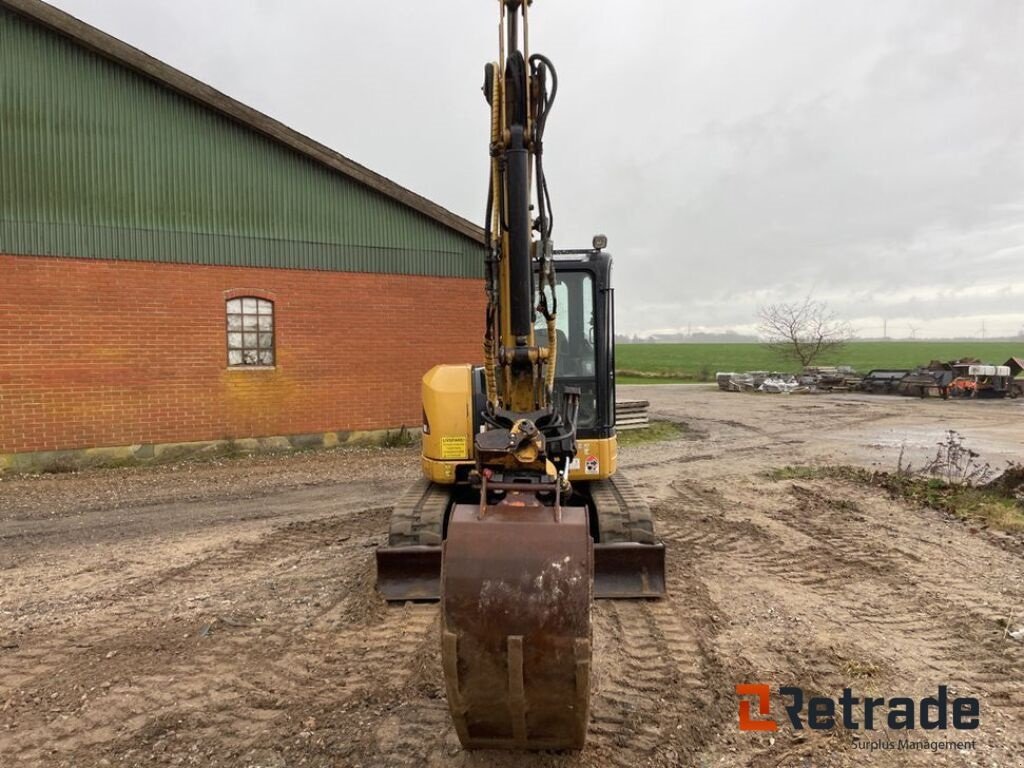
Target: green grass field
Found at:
700, 362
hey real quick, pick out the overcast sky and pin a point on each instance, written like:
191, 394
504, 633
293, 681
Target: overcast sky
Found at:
735, 152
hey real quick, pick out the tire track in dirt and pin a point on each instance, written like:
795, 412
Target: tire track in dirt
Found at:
386, 673
828, 543
878, 595
153, 634
309, 682
788, 649
125, 608
217, 566
651, 675
941, 615
922, 557
391, 651
708, 532
660, 691
635, 674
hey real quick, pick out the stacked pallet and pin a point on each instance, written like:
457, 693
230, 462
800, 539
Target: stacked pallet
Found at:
632, 414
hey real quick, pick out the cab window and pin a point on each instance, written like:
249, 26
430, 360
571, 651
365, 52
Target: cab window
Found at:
574, 324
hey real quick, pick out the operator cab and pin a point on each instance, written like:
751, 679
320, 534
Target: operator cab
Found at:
586, 334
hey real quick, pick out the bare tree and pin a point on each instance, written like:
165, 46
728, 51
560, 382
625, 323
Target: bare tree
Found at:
803, 332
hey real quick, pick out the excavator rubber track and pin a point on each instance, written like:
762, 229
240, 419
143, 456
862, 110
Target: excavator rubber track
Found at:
417, 518
623, 514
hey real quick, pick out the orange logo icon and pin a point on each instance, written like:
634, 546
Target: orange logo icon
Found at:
762, 692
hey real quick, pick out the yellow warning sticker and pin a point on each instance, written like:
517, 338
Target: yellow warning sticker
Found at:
454, 448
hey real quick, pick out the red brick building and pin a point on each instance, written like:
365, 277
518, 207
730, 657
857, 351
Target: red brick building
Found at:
177, 267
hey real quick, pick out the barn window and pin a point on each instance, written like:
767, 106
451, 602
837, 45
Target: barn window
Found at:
250, 331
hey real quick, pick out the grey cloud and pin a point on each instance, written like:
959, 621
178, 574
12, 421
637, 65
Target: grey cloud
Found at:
735, 152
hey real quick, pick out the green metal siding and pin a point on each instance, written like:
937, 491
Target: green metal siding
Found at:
99, 161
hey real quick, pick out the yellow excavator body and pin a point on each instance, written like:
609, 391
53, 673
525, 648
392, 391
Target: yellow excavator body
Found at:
521, 518
449, 425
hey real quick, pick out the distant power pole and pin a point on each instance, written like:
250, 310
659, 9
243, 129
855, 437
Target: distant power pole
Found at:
982, 330
885, 328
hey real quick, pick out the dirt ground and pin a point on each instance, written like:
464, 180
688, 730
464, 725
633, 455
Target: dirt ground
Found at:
223, 614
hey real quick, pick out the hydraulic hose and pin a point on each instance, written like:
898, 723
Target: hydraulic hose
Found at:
549, 372
490, 346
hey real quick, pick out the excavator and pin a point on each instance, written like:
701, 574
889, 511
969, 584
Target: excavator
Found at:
520, 519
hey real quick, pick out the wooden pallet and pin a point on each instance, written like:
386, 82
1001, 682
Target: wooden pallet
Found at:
632, 414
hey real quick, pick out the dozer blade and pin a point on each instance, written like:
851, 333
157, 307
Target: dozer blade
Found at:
409, 573
620, 571
409, 567
516, 593
629, 570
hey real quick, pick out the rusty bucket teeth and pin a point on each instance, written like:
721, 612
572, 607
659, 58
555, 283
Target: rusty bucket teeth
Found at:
515, 594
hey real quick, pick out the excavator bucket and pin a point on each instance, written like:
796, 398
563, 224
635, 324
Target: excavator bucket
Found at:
516, 592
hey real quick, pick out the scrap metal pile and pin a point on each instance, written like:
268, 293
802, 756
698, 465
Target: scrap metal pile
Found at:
967, 378
813, 379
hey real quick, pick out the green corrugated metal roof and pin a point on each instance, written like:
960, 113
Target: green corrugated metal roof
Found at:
107, 153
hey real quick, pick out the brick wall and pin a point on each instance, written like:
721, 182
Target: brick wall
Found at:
99, 353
